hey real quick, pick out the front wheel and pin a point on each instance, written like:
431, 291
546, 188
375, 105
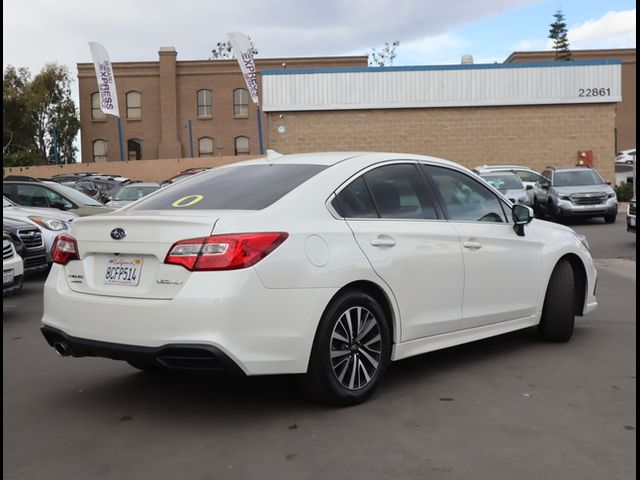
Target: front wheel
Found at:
351, 351
610, 218
558, 311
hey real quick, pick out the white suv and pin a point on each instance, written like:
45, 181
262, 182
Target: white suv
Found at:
626, 156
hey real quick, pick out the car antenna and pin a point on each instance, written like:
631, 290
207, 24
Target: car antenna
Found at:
272, 155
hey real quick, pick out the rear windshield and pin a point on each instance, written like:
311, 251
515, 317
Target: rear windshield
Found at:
242, 187
506, 181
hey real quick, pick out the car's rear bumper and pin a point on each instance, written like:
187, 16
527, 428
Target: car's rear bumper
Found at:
170, 356
263, 331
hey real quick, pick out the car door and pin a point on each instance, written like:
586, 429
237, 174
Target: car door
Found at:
410, 247
502, 270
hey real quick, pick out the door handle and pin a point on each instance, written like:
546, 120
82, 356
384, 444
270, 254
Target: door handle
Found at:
472, 245
383, 241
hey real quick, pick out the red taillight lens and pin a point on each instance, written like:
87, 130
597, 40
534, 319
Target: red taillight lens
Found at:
224, 252
65, 249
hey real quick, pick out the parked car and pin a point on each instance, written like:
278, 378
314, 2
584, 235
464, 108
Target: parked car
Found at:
50, 222
132, 192
510, 185
575, 192
631, 216
327, 264
52, 195
12, 267
182, 175
108, 185
626, 156
528, 176
29, 244
72, 177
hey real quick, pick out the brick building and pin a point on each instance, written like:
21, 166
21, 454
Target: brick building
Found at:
158, 100
625, 123
534, 114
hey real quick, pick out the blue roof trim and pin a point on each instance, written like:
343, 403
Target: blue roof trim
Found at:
474, 66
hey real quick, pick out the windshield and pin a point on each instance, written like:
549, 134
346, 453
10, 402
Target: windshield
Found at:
131, 194
240, 187
575, 178
505, 181
77, 196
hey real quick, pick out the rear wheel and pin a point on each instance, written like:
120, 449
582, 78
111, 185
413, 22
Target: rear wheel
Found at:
558, 312
610, 218
351, 351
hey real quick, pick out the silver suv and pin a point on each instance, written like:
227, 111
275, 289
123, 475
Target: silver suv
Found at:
575, 192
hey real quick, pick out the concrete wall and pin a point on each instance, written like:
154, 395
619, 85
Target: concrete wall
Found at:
145, 170
536, 136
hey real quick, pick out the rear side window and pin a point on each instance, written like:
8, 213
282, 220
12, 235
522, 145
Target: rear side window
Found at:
354, 201
242, 187
399, 192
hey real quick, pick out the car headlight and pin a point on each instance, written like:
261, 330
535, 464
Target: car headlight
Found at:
565, 197
49, 223
583, 240
524, 198
611, 195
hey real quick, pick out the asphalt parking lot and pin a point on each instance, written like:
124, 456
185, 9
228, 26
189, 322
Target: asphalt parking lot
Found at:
504, 408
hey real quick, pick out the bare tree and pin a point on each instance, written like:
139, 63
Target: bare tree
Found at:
384, 57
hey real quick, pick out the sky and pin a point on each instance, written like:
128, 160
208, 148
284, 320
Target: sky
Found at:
36, 32
430, 32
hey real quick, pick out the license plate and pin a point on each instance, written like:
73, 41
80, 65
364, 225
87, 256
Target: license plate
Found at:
123, 271
7, 276
632, 221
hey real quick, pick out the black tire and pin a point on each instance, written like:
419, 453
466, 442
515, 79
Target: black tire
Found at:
322, 380
610, 218
558, 312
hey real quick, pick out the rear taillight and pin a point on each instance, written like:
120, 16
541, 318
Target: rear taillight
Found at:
224, 252
65, 249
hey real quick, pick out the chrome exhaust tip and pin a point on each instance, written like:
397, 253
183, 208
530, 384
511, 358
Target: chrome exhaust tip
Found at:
61, 349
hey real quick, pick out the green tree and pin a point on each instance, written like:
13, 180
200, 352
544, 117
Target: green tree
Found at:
224, 51
558, 33
52, 110
17, 141
384, 57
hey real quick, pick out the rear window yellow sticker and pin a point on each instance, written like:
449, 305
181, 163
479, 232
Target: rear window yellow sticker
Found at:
187, 201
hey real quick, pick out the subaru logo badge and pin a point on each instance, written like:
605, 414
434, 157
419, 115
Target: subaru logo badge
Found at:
118, 233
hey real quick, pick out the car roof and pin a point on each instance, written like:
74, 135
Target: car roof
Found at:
142, 184
496, 173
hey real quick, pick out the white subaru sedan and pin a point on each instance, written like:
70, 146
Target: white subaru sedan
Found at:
330, 265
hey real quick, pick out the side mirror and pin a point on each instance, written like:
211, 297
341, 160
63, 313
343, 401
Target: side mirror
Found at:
58, 204
521, 215
529, 187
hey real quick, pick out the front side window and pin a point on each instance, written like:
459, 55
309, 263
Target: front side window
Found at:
242, 145
134, 149
205, 105
96, 111
237, 187
38, 196
134, 106
465, 199
100, 151
240, 103
398, 191
205, 147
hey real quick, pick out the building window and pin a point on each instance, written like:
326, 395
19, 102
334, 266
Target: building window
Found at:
134, 149
242, 145
96, 112
205, 109
100, 151
134, 106
240, 103
205, 147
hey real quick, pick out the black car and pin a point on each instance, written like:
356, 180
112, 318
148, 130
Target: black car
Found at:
72, 177
28, 242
